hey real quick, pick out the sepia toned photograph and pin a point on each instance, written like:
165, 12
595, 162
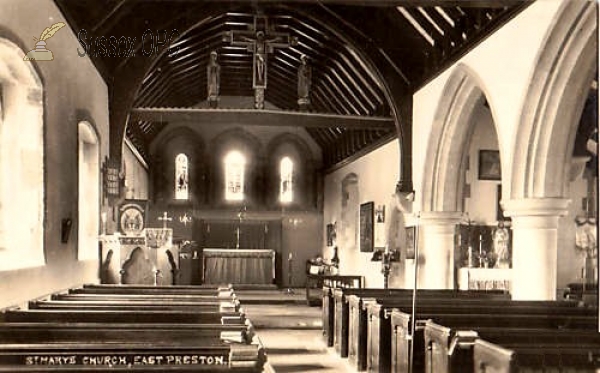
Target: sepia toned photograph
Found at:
278, 186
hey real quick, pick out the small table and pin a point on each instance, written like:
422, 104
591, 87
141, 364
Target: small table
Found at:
316, 281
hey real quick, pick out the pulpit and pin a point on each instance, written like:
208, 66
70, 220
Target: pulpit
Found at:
239, 266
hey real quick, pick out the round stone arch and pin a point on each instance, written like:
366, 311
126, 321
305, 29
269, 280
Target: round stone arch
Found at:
566, 66
447, 148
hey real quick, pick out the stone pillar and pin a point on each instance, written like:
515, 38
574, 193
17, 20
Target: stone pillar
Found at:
534, 246
436, 249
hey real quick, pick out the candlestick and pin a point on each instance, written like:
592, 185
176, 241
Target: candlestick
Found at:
480, 251
470, 259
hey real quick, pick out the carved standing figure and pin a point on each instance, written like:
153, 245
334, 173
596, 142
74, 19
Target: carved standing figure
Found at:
304, 82
213, 79
501, 238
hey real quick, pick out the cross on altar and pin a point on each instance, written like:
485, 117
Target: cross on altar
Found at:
165, 219
261, 41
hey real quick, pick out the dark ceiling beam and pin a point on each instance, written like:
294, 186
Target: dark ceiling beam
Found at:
130, 72
339, 104
339, 92
450, 32
355, 81
259, 118
379, 3
112, 17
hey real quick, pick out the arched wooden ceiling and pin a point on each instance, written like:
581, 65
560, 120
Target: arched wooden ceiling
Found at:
414, 39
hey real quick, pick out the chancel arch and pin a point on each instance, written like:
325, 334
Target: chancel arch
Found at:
88, 222
22, 186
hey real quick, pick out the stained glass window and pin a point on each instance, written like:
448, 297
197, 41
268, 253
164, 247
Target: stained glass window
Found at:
286, 172
235, 164
181, 177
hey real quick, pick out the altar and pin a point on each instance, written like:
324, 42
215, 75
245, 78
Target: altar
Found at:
238, 266
485, 279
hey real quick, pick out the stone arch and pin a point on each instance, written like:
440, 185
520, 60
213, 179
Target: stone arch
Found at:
21, 117
447, 147
566, 65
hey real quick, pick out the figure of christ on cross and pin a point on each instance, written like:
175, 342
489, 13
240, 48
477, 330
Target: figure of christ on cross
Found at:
260, 41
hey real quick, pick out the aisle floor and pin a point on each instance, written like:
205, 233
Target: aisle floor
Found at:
291, 332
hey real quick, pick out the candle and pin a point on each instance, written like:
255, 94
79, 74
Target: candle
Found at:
387, 249
290, 256
103, 218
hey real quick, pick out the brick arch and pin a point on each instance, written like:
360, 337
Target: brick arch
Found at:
566, 65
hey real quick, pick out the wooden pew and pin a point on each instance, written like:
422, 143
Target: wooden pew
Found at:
53, 332
121, 316
204, 306
130, 333
328, 315
451, 349
143, 297
358, 318
401, 322
148, 289
380, 331
341, 298
573, 358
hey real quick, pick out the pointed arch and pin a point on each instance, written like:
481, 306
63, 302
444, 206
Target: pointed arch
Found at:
447, 149
566, 65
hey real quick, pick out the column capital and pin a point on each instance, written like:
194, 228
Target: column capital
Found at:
539, 207
439, 217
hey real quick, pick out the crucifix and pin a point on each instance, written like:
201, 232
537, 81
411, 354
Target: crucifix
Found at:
165, 219
261, 41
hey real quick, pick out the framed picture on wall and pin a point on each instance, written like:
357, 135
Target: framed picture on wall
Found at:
367, 215
489, 165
